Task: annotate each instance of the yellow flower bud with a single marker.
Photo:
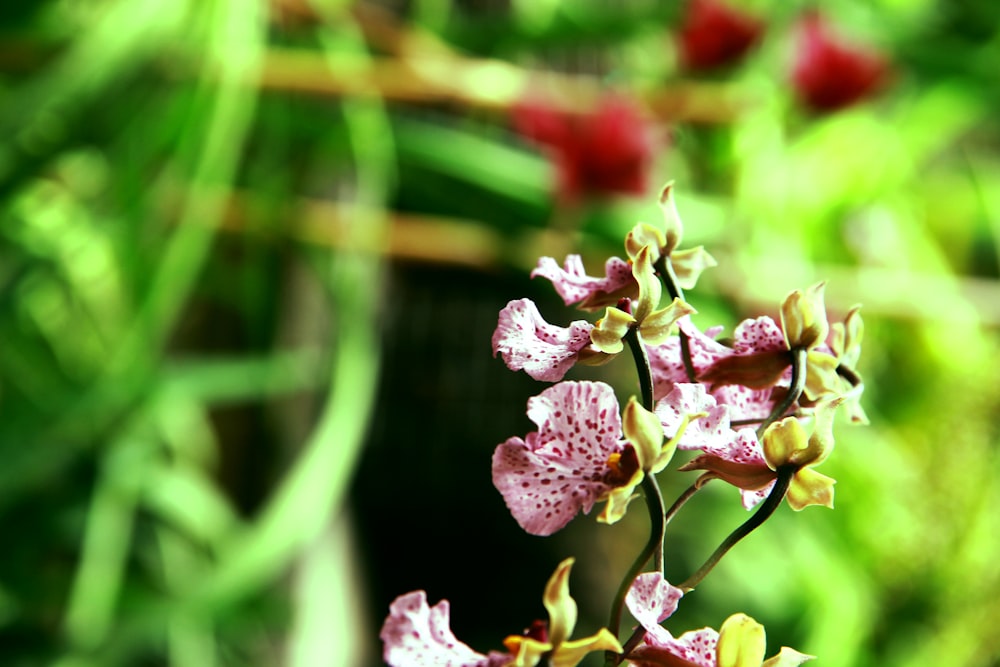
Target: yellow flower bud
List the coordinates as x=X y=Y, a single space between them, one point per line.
x=742 y=642
x=803 y=318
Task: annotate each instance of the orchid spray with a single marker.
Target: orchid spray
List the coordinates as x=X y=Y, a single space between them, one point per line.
x=759 y=411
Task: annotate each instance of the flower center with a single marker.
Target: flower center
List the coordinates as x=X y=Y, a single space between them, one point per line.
x=621 y=466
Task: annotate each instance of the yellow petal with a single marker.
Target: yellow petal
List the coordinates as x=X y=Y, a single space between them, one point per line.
x=821 y=441
x=618 y=500
x=559 y=604
x=787 y=657
x=822 y=380
x=607 y=334
x=809 y=487
x=650 y=288
x=803 y=318
x=741 y=642
x=644 y=235
x=569 y=654
x=672 y=226
x=527 y=652
x=689 y=264
x=643 y=429
x=656 y=327
x=781 y=440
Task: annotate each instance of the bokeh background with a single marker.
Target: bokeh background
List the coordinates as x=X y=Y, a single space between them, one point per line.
x=251 y=257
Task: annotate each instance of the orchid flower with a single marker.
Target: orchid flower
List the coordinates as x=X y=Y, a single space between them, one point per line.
x=740 y=642
x=621 y=281
x=654 y=325
x=752 y=465
x=544 y=351
x=581 y=454
x=554 y=646
x=759 y=336
x=845 y=345
x=561 y=469
x=415 y=635
x=804 y=328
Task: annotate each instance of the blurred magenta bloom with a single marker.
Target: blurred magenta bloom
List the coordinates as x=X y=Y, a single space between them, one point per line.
x=713 y=34
x=828 y=72
x=608 y=151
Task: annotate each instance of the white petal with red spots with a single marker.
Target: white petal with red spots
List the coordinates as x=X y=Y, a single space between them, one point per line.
x=687 y=399
x=558 y=471
x=650 y=600
x=416 y=635
x=526 y=341
x=574 y=285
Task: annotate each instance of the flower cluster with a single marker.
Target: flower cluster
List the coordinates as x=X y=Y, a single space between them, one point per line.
x=757 y=411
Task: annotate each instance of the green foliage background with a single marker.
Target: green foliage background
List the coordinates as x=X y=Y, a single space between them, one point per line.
x=247 y=285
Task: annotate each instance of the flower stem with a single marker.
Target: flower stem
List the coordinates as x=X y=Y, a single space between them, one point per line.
x=762 y=514
x=642 y=368
x=799 y=360
x=681 y=500
x=665 y=268
x=654 y=503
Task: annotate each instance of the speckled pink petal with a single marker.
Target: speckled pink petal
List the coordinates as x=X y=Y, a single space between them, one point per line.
x=758 y=335
x=665 y=360
x=526 y=341
x=573 y=284
x=689 y=399
x=416 y=635
x=744 y=448
x=745 y=403
x=696 y=646
x=753 y=498
x=650 y=600
x=559 y=471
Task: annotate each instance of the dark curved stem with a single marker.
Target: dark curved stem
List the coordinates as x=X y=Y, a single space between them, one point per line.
x=849 y=374
x=679 y=503
x=669 y=278
x=639 y=633
x=654 y=503
x=798 y=384
x=641 y=367
x=762 y=514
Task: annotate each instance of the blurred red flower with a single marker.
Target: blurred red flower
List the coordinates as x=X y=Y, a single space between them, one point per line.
x=828 y=72
x=607 y=151
x=713 y=34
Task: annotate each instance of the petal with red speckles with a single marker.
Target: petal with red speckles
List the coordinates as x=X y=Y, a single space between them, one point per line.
x=561 y=469
x=573 y=284
x=416 y=635
x=526 y=341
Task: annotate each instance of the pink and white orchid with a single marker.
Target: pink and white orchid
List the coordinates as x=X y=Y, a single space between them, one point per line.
x=573 y=284
x=544 y=351
x=416 y=635
x=740 y=643
x=584 y=452
x=562 y=469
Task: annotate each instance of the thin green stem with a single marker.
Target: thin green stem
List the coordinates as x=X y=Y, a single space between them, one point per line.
x=762 y=514
x=799 y=361
x=654 y=503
